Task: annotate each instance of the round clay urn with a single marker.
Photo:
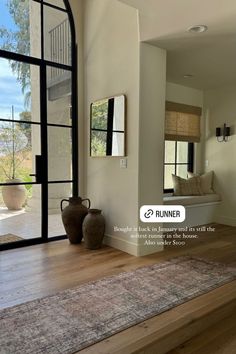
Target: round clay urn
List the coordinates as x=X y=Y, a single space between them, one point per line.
x=14 y=196
x=73 y=216
x=93 y=229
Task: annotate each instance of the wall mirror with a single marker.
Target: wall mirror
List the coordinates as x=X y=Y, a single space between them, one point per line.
x=107 y=127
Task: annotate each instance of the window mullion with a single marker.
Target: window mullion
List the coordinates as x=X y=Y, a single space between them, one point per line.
x=176 y=157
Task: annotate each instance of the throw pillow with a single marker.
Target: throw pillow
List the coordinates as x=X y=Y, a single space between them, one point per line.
x=206 y=181
x=190 y=186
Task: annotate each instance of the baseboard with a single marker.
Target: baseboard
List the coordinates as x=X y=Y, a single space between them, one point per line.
x=121 y=244
x=225 y=220
x=132 y=248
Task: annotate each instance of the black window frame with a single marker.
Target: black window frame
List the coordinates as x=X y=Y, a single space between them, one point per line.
x=189 y=163
x=43 y=63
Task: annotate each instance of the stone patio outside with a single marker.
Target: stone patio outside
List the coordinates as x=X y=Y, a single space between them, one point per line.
x=27 y=224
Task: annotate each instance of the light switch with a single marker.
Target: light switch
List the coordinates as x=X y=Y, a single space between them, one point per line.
x=123 y=163
x=207 y=163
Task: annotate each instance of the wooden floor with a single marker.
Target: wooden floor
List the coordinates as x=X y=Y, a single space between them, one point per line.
x=37 y=271
x=219 y=339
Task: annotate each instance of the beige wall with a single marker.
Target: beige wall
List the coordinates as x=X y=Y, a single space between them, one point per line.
x=115 y=62
x=183 y=94
x=220 y=108
x=151 y=134
x=77 y=10
x=193 y=97
x=111 y=63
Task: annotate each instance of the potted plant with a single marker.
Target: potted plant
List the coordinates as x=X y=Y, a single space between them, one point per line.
x=12 y=154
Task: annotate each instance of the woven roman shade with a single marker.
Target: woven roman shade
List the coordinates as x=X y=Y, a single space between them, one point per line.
x=182 y=122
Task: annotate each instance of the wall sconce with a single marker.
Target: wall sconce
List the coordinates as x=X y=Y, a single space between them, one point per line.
x=223 y=134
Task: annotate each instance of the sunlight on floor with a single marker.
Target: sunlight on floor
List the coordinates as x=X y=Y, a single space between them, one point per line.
x=27 y=224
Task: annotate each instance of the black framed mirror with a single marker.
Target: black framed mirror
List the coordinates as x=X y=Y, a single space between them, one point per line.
x=107 y=127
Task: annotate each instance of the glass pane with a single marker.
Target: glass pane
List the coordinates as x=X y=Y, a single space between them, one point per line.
x=169 y=151
x=58 y=96
x=19 y=143
x=19 y=91
x=59 y=3
x=20 y=213
x=118 y=144
x=20 y=30
x=57 y=36
x=98 y=143
x=99 y=114
x=182 y=152
x=168 y=171
x=57 y=192
x=59 y=154
x=119 y=113
x=182 y=171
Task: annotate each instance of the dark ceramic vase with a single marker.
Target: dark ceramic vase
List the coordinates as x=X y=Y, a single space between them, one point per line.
x=93 y=229
x=73 y=216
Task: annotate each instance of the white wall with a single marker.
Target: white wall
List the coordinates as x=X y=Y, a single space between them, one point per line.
x=111 y=63
x=183 y=94
x=78 y=10
x=193 y=97
x=151 y=134
x=115 y=62
x=220 y=108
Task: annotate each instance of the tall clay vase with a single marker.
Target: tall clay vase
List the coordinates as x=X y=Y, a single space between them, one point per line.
x=14 y=196
x=73 y=216
x=93 y=229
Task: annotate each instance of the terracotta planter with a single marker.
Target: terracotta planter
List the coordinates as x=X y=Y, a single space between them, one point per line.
x=93 y=229
x=14 y=196
x=73 y=216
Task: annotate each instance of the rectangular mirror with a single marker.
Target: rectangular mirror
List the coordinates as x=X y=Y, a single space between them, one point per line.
x=107 y=127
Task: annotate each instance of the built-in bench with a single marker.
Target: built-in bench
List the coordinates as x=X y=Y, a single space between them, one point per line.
x=200 y=210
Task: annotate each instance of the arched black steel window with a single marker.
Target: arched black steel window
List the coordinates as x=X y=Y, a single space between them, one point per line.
x=38 y=118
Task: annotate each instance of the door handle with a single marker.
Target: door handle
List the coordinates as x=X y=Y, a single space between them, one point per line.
x=38 y=169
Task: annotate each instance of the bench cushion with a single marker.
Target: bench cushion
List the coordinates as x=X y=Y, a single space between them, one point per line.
x=191 y=199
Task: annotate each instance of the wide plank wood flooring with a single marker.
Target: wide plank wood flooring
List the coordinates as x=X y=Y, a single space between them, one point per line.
x=219 y=339
x=37 y=271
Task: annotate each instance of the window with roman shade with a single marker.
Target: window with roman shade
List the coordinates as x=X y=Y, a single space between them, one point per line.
x=182 y=122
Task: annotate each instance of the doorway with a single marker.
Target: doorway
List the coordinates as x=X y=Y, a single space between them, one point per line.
x=38 y=120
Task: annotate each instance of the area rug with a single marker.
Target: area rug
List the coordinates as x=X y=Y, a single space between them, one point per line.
x=8 y=238
x=76 y=318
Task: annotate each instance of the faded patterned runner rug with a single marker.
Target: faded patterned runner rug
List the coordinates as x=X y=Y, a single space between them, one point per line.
x=76 y=318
